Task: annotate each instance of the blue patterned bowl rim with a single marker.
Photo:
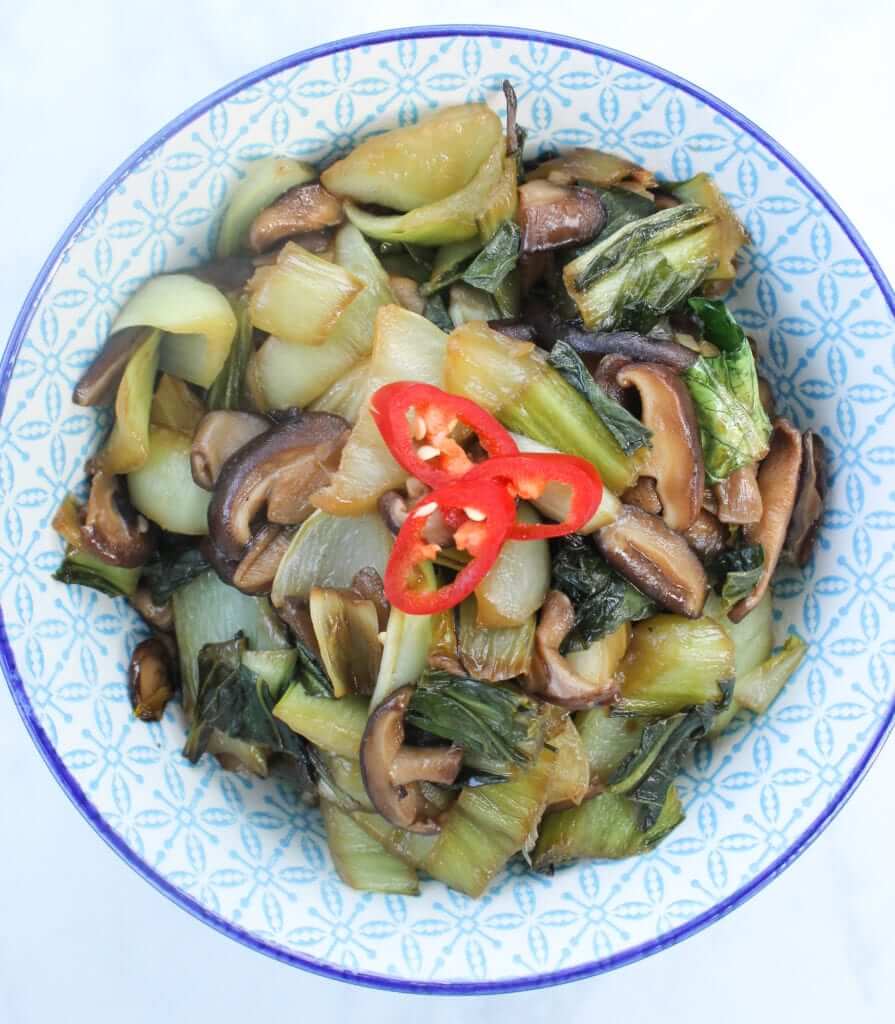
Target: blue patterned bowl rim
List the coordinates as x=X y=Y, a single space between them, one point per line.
x=7 y=660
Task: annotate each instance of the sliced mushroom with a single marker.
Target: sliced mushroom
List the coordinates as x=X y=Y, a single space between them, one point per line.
x=514 y=327
x=227 y=275
x=606 y=376
x=99 y=382
x=278 y=471
x=637 y=347
x=655 y=559
x=644 y=496
x=223 y=566
x=150 y=679
x=367 y=583
x=217 y=437
x=675 y=455
x=297 y=617
x=112 y=529
x=706 y=536
x=551 y=677
x=393 y=509
x=709 y=501
x=407 y=292
x=739 y=497
x=303 y=209
x=809 y=500
x=392 y=772
x=159 y=616
x=778 y=481
x=258 y=566
x=552 y=216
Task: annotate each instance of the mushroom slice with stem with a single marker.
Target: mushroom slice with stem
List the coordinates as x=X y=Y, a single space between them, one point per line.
x=643 y=495
x=159 y=616
x=706 y=536
x=655 y=559
x=218 y=436
x=276 y=471
x=675 y=455
x=150 y=679
x=301 y=210
x=552 y=216
x=255 y=572
x=392 y=772
x=560 y=680
x=739 y=497
x=606 y=376
x=778 y=480
x=112 y=529
x=809 y=500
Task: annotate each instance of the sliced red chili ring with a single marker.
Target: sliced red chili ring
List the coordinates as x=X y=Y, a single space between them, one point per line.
x=422 y=443
x=528 y=474
x=489 y=512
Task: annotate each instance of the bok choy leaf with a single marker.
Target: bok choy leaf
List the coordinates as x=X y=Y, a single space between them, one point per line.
x=627 y=430
x=733 y=425
x=499 y=729
x=236 y=702
x=737 y=570
x=603 y=600
x=647 y=774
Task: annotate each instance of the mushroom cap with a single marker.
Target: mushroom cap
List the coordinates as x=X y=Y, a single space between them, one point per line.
x=738 y=497
x=778 y=481
x=98 y=384
x=552 y=216
x=112 y=529
x=299 y=211
x=218 y=436
x=391 y=772
x=550 y=676
x=656 y=559
x=150 y=679
x=675 y=456
x=278 y=471
x=812 y=491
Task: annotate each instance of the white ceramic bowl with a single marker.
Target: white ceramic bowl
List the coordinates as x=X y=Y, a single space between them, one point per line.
x=243 y=855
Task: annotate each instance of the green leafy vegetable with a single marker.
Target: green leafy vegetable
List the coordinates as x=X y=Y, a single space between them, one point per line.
x=498 y=728
x=228 y=389
x=627 y=430
x=758 y=688
x=406 y=259
x=171 y=568
x=436 y=310
x=309 y=672
x=636 y=238
x=644 y=269
x=648 y=773
x=486 y=269
x=239 y=704
x=733 y=425
x=603 y=600
x=606 y=827
x=623 y=207
x=737 y=570
x=80 y=568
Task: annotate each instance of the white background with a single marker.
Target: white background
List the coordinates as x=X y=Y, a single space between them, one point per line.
x=82 y=937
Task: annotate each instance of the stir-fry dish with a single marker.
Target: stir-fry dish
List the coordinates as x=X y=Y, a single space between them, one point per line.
x=452 y=495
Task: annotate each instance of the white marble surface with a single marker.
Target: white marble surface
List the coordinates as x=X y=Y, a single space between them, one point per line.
x=83 y=938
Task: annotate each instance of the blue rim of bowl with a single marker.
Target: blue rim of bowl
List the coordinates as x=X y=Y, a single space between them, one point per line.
x=48 y=751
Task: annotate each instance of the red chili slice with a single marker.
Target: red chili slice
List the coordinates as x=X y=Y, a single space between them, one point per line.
x=488 y=511
x=528 y=474
x=416 y=421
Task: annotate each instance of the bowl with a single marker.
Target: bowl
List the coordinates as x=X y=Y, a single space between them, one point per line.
x=243 y=855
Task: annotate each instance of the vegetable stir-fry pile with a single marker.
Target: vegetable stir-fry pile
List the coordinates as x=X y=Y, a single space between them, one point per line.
x=451 y=493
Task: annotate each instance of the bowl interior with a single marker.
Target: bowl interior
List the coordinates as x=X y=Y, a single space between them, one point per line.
x=243 y=854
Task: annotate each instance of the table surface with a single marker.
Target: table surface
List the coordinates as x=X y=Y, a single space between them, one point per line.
x=83 y=937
